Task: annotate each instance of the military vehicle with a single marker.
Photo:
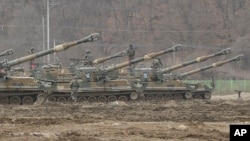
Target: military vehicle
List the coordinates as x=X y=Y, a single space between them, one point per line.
x=153 y=79
x=24 y=90
x=6 y=52
x=96 y=85
x=153 y=74
x=170 y=86
x=156 y=72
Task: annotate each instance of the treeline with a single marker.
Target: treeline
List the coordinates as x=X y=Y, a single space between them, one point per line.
x=203 y=26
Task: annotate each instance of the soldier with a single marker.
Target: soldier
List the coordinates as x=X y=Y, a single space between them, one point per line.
x=74 y=85
x=88 y=58
x=239 y=92
x=32 y=50
x=130 y=52
x=157 y=63
x=32 y=62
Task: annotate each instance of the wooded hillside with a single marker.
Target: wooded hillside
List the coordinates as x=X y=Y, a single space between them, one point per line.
x=202 y=26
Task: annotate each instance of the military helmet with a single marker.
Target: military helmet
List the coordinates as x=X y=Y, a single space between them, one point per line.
x=87 y=51
x=130 y=46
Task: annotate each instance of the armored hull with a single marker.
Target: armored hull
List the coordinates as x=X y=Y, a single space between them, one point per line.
x=162 y=84
x=175 y=90
x=19 y=90
x=94 y=91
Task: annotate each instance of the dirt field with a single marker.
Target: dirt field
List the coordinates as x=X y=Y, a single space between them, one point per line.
x=194 y=120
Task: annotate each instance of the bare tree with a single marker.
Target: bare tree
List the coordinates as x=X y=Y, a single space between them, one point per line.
x=185 y=10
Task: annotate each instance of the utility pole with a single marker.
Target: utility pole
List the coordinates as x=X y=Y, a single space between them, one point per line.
x=54 y=52
x=48 y=29
x=43 y=38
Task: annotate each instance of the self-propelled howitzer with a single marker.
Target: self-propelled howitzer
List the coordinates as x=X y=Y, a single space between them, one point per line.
x=99 y=74
x=95 y=85
x=172 y=87
x=23 y=89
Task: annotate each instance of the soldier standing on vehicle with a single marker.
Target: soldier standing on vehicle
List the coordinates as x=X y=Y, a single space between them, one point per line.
x=32 y=62
x=131 y=52
x=74 y=85
x=157 y=64
x=88 y=59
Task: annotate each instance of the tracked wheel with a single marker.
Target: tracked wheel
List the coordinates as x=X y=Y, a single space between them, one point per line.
x=134 y=96
x=15 y=100
x=52 y=99
x=4 y=100
x=159 y=97
x=82 y=99
x=70 y=100
x=61 y=99
x=27 y=100
x=168 y=97
x=207 y=95
x=178 y=97
x=123 y=98
x=188 y=95
x=197 y=97
x=112 y=98
x=102 y=99
x=150 y=97
x=92 y=99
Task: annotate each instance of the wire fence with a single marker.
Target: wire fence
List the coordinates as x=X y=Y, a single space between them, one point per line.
x=226 y=86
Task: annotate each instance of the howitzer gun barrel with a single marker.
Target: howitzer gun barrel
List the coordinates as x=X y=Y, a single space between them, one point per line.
x=146 y=57
x=6 y=52
x=58 y=48
x=197 y=60
x=216 y=64
x=101 y=60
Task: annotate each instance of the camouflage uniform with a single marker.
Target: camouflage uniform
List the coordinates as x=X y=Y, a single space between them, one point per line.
x=74 y=85
x=130 y=52
x=88 y=59
x=32 y=63
x=157 y=63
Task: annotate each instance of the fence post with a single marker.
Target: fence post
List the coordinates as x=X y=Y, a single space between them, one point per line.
x=231 y=85
x=218 y=87
x=245 y=85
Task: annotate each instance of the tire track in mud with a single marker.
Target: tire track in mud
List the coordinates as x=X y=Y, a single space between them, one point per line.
x=134 y=120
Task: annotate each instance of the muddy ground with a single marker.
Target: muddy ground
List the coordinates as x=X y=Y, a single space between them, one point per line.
x=194 y=120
